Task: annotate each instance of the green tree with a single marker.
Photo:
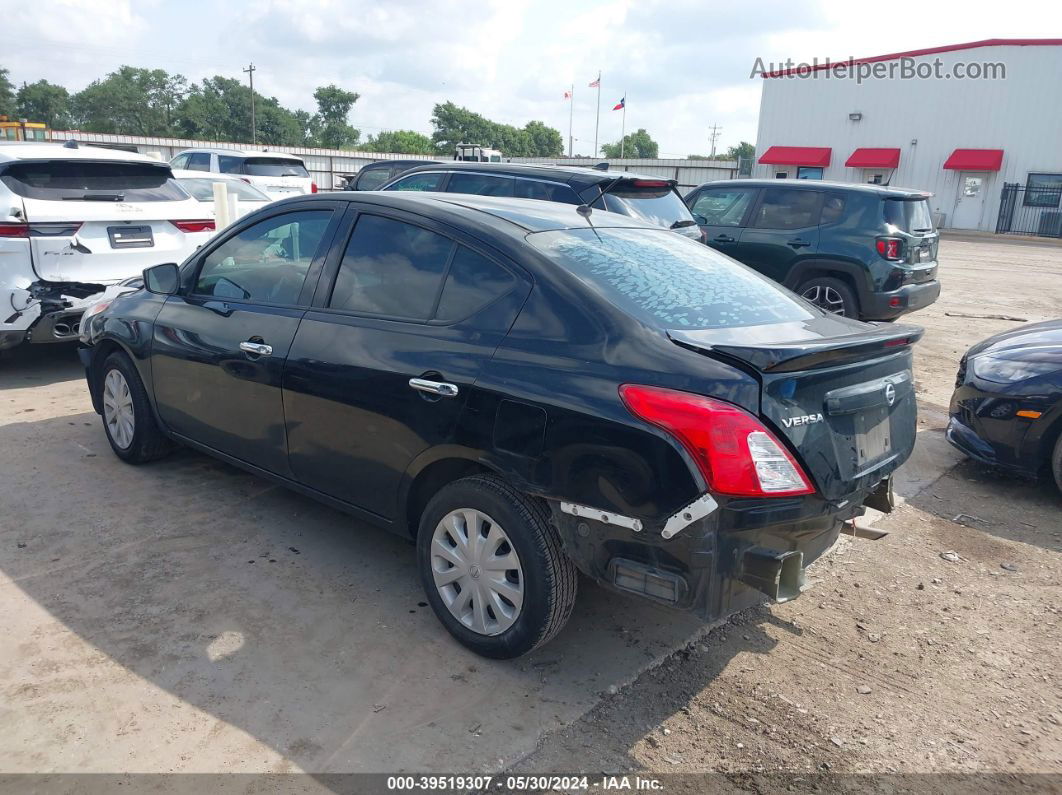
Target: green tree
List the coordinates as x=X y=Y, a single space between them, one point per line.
x=219 y=109
x=44 y=101
x=7 y=95
x=743 y=149
x=454 y=125
x=333 y=108
x=132 y=101
x=544 y=141
x=403 y=142
x=635 y=144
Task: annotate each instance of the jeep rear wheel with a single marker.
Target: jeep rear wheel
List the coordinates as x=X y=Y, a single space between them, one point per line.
x=830 y=294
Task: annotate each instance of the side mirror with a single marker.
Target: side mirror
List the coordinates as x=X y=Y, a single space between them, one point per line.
x=700 y=219
x=162 y=279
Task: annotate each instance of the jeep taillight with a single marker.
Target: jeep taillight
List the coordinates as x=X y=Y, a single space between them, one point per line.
x=734 y=451
x=889 y=248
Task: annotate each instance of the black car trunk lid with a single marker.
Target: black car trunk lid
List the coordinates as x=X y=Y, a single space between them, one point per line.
x=840 y=393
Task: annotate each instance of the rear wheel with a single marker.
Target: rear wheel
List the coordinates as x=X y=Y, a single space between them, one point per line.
x=127 y=417
x=831 y=294
x=492 y=567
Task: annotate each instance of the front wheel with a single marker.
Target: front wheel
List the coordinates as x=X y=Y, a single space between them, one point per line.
x=492 y=567
x=831 y=294
x=127 y=417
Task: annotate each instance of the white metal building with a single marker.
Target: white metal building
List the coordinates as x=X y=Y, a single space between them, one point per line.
x=909 y=119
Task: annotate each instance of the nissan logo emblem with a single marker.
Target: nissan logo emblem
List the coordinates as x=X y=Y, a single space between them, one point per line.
x=890 y=394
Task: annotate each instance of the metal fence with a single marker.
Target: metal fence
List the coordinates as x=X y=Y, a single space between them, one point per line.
x=1025 y=210
x=330 y=167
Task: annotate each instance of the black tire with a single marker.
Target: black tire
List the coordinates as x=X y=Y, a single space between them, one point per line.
x=1056 y=462
x=549 y=577
x=148 y=442
x=823 y=291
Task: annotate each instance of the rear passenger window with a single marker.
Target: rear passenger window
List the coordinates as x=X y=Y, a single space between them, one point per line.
x=480 y=184
x=545 y=191
x=179 y=162
x=391 y=268
x=227 y=164
x=788 y=208
x=723 y=207
x=832 y=209
x=199 y=161
x=473 y=282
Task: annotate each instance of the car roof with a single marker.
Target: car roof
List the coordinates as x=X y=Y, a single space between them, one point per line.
x=577 y=176
x=240 y=152
x=811 y=184
x=514 y=217
x=26 y=150
x=213 y=176
x=424 y=161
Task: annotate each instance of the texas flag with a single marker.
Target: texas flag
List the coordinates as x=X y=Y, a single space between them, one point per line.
x=621 y=104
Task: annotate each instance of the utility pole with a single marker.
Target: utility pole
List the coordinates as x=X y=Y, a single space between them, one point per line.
x=713 y=136
x=254 y=130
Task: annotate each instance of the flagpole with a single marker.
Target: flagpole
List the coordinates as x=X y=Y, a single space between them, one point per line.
x=623 y=124
x=597 y=124
x=571 y=113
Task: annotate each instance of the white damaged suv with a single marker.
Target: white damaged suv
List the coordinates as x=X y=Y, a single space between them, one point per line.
x=76 y=219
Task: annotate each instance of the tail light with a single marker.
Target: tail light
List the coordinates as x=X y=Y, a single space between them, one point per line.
x=14 y=230
x=313 y=187
x=206 y=225
x=889 y=248
x=733 y=450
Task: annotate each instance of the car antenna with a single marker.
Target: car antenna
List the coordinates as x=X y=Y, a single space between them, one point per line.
x=585 y=210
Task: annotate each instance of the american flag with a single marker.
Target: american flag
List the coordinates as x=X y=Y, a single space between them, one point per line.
x=596 y=83
x=567 y=94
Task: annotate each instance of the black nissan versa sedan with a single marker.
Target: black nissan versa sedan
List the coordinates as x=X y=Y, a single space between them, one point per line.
x=1007 y=406
x=525 y=388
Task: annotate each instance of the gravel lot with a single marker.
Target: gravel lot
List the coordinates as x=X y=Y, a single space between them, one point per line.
x=189 y=617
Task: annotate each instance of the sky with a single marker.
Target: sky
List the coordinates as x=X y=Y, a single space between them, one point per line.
x=682 y=65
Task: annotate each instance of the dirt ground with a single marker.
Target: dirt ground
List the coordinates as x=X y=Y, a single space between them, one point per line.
x=896 y=660
x=189 y=617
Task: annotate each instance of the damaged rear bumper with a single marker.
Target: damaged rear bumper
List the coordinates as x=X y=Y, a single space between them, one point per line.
x=718 y=563
x=44 y=312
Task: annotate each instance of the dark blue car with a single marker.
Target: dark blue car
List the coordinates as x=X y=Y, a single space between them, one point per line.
x=525 y=388
x=1007 y=406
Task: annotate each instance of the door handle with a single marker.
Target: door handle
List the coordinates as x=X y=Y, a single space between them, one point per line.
x=440 y=388
x=723 y=239
x=256 y=348
x=798 y=243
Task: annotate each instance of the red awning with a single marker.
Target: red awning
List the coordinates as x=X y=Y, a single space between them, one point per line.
x=975 y=160
x=874 y=158
x=796 y=156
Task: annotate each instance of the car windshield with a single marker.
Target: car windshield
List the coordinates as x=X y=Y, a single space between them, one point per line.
x=203 y=189
x=88 y=180
x=661 y=206
x=910 y=215
x=669 y=281
x=274 y=167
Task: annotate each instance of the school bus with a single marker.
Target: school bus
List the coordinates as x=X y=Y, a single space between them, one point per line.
x=23 y=130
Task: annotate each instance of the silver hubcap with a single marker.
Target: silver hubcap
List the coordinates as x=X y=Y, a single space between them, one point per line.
x=825 y=297
x=477 y=571
x=118 y=409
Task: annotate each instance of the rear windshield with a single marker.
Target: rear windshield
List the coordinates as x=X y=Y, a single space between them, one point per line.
x=661 y=206
x=373 y=178
x=669 y=281
x=274 y=167
x=87 y=180
x=910 y=215
x=203 y=189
